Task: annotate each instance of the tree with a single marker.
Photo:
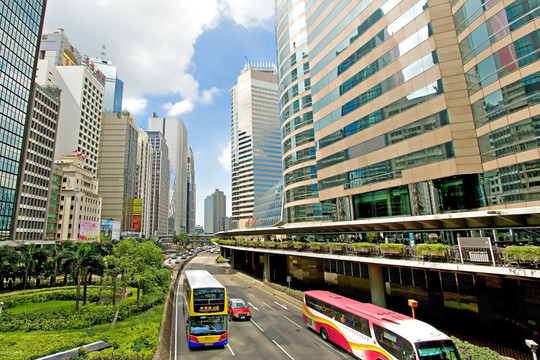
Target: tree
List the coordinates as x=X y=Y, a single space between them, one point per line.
x=9 y=258
x=27 y=262
x=181 y=239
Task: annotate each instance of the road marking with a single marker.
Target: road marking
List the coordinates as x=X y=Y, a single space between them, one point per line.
x=229 y=346
x=282 y=349
x=283 y=306
x=292 y=321
x=253 y=306
x=254 y=323
x=269 y=306
x=176 y=321
x=331 y=347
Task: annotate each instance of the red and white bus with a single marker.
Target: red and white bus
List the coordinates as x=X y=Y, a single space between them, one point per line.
x=371 y=332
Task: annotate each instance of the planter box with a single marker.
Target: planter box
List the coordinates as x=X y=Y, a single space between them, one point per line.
x=298 y=247
x=361 y=250
x=337 y=248
x=270 y=244
x=284 y=245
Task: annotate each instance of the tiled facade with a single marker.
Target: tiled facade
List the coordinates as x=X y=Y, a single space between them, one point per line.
x=160 y=184
x=410 y=115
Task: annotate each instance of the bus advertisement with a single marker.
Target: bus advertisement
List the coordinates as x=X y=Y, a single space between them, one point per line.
x=371 y=332
x=205 y=309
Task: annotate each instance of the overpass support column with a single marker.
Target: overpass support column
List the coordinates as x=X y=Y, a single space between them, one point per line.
x=233 y=261
x=266 y=272
x=376 y=284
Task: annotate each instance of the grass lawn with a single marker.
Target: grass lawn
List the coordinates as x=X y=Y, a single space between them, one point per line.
x=26 y=346
x=44 y=307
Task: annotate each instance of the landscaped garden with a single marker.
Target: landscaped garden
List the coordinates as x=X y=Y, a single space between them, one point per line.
x=63 y=297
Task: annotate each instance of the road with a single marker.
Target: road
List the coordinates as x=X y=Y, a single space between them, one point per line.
x=276 y=330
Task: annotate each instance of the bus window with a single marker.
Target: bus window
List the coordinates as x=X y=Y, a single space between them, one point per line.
x=437 y=350
x=361 y=325
x=207 y=325
x=396 y=345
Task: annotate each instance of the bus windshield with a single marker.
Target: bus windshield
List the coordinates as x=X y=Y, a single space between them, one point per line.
x=435 y=350
x=208 y=325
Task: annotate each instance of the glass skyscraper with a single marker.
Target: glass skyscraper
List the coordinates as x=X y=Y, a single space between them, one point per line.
x=21 y=24
x=407 y=107
x=255 y=139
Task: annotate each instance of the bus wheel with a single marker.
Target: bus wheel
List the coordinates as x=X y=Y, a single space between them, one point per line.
x=324 y=334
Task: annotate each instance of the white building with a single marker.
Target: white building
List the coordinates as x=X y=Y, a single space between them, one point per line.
x=79 y=216
x=143 y=184
x=160 y=184
x=175 y=133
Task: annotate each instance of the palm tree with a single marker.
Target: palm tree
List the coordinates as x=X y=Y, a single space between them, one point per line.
x=9 y=258
x=27 y=262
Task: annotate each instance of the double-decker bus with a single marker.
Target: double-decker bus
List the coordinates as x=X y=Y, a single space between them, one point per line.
x=205 y=309
x=371 y=332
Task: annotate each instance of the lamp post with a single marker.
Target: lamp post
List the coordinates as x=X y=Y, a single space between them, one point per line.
x=413 y=304
x=1 y=304
x=533 y=346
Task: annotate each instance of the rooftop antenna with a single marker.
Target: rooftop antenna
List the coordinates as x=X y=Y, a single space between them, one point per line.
x=249 y=64
x=103 y=51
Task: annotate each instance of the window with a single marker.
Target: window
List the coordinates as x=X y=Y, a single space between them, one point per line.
x=393 y=343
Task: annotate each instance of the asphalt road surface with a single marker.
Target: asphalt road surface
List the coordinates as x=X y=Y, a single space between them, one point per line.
x=276 y=330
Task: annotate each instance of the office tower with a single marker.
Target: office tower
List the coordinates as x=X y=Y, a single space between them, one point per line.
x=159 y=202
x=255 y=138
x=79 y=216
x=114 y=87
x=191 y=192
x=143 y=185
x=175 y=133
x=413 y=113
x=214 y=212
x=268 y=209
x=172 y=203
x=54 y=203
x=117 y=171
x=37 y=165
x=82 y=89
x=21 y=25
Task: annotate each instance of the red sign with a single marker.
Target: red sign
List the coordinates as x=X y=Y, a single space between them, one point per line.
x=137 y=223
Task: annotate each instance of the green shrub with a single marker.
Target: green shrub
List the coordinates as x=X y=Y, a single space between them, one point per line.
x=391 y=248
x=21 y=346
x=476 y=352
x=522 y=253
x=362 y=245
x=431 y=250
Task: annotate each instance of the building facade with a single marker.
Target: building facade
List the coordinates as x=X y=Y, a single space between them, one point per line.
x=412 y=114
x=79 y=215
x=159 y=203
x=143 y=184
x=268 y=209
x=114 y=87
x=191 y=193
x=214 y=212
x=54 y=203
x=255 y=138
x=117 y=170
x=175 y=133
x=21 y=25
x=38 y=165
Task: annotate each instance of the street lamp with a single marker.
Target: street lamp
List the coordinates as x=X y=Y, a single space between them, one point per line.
x=1 y=304
x=534 y=346
x=413 y=304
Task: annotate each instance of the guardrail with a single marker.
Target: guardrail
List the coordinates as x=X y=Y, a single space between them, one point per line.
x=493 y=256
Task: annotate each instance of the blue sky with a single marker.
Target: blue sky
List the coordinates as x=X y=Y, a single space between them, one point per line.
x=176 y=58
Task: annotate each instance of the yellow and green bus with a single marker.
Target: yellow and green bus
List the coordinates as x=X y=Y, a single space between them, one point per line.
x=205 y=309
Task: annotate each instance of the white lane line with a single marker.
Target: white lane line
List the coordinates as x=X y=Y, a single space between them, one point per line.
x=176 y=322
x=282 y=349
x=229 y=346
x=283 y=306
x=331 y=347
x=269 y=306
x=292 y=321
x=253 y=306
x=254 y=323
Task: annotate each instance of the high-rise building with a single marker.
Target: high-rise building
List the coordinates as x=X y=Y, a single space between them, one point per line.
x=114 y=87
x=175 y=133
x=159 y=203
x=214 y=212
x=79 y=215
x=412 y=114
x=255 y=138
x=82 y=89
x=54 y=203
x=191 y=192
x=118 y=171
x=268 y=210
x=143 y=185
x=21 y=24
x=38 y=165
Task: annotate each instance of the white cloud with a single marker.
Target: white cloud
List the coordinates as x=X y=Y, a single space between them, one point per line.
x=178 y=108
x=225 y=157
x=135 y=106
x=151 y=42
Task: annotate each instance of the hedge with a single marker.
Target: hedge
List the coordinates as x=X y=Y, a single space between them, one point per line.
x=21 y=346
x=91 y=314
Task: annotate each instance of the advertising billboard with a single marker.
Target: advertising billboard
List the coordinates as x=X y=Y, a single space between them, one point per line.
x=116 y=230
x=106 y=229
x=89 y=230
